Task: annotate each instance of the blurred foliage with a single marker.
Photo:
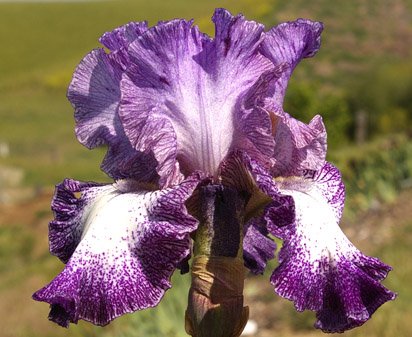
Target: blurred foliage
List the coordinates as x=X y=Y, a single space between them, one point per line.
x=375 y=173
x=17 y=253
x=305 y=99
x=383 y=92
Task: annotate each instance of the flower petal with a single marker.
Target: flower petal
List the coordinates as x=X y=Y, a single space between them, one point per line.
x=299 y=147
x=253 y=128
x=320 y=269
x=194 y=83
x=289 y=43
x=121 y=248
x=122 y=36
x=95 y=94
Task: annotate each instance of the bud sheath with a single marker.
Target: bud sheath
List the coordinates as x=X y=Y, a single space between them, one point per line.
x=215 y=307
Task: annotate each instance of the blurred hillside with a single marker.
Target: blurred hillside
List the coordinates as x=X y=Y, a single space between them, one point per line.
x=357 y=31
x=363 y=70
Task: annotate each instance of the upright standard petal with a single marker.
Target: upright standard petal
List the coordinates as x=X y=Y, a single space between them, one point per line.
x=289 y=43
x=183 y=80
x=121 y=249
x=121 y=37
x=95 y=94
x=320 y=269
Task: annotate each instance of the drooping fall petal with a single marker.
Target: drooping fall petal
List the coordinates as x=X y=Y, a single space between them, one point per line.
x=121 y=249
x=320 y=269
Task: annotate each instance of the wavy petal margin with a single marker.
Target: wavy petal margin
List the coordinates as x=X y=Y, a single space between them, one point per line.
x=258 y=248
x=288 y=43
x=320 y=269
x=94 y=93
x=194 y=85
x=120 y=38
x=121 y=249
x=168 y=100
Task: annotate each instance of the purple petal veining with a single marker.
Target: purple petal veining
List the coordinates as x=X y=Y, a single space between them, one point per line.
x=95 y=94
x=258 y=248
x=267 y=205
x=121 y=249
x=320 y=269
x=176 y=108
x=288 y=43
x=194 y=85
x=299 y=147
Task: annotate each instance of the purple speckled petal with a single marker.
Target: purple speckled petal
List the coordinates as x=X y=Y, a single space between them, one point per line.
x=320 y=269
x=289 y=43
x=121 y=248
x=65 y=230
x=196 y=86
x=258 y=248
x=299 y=147
x=95 y=94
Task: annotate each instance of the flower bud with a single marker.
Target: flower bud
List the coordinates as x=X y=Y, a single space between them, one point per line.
x=215 y=306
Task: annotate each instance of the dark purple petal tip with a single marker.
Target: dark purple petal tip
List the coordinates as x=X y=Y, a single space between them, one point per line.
x=343 y=294
x=351 y=296
x=65 y=229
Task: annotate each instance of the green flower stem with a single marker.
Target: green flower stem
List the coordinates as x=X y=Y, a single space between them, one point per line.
x=215 y=306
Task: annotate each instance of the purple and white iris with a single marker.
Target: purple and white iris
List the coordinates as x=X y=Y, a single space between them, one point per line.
x=177 y=110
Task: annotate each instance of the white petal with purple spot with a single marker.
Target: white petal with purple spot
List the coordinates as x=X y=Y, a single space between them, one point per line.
x=121 y=248
x=320 y=269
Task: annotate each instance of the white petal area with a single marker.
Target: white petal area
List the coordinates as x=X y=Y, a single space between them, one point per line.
x=121 y=249
x=317 y=222
x=109 y=220
x=320 y=269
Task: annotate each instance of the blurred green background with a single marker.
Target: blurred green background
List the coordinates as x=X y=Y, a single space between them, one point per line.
x=360 y=82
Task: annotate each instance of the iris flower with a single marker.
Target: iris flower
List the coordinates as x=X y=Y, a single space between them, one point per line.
x=182 y=114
